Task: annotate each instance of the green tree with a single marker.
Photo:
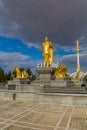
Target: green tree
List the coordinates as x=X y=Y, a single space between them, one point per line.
x=68 y=78
x=9 y=75
x=2 y=76
x=85 y=78
x=29 y=71
x=32 y=76
x=21 y=69
x=14 y=74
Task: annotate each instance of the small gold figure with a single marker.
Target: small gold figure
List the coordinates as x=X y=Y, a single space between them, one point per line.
x=61 y=71
x=47 y=51
x=20 y=74
x=25 y=74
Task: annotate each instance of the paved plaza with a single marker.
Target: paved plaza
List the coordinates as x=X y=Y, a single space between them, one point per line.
x=31 y=115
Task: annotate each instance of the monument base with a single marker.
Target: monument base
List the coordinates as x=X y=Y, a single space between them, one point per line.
x=45 y=73
x=46 y=89
x=13 y=84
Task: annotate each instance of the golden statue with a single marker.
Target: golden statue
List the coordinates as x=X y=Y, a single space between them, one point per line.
x=61 y=71
x=25 y=74
x=47 y=51
x=20 y=74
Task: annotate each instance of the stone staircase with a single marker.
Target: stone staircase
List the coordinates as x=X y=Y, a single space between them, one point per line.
x=73 y=90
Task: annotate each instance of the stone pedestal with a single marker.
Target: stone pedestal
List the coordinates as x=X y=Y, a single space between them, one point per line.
x=59 y=82
x=45 y=74
x=12 y=84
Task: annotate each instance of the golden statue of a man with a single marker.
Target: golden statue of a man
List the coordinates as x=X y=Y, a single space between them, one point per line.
x=47 y=51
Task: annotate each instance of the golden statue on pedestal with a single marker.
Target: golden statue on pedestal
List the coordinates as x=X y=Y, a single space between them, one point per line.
x=61 y=71
x=47 y=51
x=20 y=74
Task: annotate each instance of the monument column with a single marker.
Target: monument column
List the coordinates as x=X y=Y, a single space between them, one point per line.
x=78 y=51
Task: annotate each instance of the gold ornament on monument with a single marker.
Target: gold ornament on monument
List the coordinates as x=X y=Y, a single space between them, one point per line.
x=61 y=71
x=47 y=52
x=20 y=74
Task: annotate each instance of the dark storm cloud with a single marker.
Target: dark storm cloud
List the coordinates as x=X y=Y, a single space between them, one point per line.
x=62 y=20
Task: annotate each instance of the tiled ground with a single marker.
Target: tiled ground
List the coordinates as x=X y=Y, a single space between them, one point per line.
x=30 y=115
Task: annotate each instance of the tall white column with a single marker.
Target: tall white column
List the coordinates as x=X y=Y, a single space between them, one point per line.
x=78 y=51
x=77 y=58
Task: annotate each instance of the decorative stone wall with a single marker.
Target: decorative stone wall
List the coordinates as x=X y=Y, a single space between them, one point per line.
x=48 y=98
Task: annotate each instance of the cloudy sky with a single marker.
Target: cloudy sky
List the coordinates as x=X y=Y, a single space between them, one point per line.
x=25 y=23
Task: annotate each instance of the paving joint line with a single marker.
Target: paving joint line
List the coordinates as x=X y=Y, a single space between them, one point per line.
x=19 y=118
x=10 y=119
x=37 y=124
x=56 y=127
x=67 y=127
